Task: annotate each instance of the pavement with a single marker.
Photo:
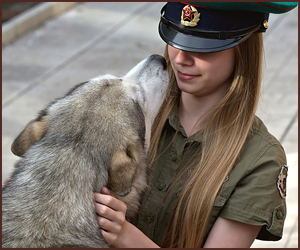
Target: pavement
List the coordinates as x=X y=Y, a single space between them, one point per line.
x=95 y=38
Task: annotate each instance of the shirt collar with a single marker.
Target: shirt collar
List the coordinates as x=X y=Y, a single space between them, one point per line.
x=175 y=123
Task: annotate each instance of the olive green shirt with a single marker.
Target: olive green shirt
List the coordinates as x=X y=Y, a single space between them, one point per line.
x=249 y=194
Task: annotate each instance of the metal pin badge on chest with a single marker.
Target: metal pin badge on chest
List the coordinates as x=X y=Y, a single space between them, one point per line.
x=281 y=181
x=190 y=16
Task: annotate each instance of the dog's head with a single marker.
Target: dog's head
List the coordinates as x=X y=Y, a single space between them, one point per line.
x=110 y=118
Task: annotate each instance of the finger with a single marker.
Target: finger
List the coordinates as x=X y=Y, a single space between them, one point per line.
x=105 y=211
x=105 y=190
x=109 y=237
x=110 y=214
x=110 y=201
x=108 y=225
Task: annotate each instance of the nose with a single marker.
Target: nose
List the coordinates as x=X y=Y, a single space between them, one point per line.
x=159 y=58
x=184 y=58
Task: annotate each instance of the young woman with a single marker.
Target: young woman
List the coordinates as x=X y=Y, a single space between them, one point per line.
x=217 y=176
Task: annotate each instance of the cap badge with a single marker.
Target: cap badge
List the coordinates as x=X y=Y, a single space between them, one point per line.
x=190 y=16
x=281 y=181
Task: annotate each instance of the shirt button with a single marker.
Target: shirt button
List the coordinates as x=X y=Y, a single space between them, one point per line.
x=173 y=156
x=161 y=186
x=279 y=214
x=149 y=218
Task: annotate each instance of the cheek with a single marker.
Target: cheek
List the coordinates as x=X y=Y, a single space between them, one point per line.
x=225 y=67
x=230 y=62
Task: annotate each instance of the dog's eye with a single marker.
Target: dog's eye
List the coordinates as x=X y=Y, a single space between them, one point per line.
x=128 y=153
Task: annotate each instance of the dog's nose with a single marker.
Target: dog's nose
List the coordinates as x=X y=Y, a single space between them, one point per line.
x=164 y=62
x=159 y=58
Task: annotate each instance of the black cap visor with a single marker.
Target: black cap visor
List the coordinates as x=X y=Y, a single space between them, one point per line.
x=192 y=43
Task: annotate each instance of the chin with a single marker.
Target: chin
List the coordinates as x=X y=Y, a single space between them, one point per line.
x=188 y=88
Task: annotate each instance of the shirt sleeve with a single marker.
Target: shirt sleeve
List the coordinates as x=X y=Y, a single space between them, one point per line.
x=256 y=198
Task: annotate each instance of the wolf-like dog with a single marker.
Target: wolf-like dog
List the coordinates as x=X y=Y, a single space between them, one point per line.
x=96 y=135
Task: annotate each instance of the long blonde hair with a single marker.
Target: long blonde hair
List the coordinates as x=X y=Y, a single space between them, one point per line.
x=223 y=139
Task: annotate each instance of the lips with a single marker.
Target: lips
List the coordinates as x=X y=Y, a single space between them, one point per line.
x=186 y=77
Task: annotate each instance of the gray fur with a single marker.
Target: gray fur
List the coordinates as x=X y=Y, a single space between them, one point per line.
x=97 y=135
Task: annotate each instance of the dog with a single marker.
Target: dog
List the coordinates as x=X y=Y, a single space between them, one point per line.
x=96 y=135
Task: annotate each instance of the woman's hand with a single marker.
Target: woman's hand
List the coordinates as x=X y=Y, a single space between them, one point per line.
x=116 y=230
x=111 y=216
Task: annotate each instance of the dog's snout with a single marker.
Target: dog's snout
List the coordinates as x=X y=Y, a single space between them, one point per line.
x=159 y=58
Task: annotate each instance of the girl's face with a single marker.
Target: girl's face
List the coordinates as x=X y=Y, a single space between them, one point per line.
x=203 y=74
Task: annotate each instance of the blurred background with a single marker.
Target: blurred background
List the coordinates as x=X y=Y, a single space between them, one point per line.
x=48 y=47
x=12 y=9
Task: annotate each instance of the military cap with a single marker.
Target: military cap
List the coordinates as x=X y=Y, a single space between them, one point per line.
x=215 y=26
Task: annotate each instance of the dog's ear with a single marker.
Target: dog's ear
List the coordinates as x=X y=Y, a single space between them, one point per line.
x=33 y=132
x=122 y=170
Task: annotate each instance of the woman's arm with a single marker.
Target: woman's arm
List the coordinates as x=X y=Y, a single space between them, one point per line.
x=121 y=234
x=116 y=230
x=227 y=233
